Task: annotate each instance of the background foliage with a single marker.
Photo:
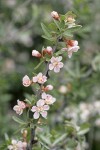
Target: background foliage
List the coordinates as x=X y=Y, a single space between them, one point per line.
x=20 y=32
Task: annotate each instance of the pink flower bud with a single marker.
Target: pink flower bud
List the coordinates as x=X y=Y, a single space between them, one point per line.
x=48 y=50
x=26 y=81
x=36 y=53
x=49 y=87
x=55 y=15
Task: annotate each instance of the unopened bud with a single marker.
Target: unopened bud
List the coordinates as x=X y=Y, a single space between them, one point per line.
x=55 y=15
x=49 y=87
x=36 y=53
x=48 y=50
x=26 y=81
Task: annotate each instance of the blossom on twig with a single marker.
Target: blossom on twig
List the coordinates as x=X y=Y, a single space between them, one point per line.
x=19 y=107
x=40 y=78
x=40 y=109
x=48 y=98
x=72 y=46
x=56 y=64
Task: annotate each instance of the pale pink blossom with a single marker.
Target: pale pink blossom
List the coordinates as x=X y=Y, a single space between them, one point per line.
x=40 y=78
x=36 y=53
x=48 y=98
x=17 y=145
x=55 y=15
x=19 y=107
x=56 y=64
x=26 y=81
x=21 y=104
x=72 y=46
x=40 y=109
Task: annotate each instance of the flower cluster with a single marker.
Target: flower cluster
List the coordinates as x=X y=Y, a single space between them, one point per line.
x=71 y=45
x=43 y=105
x=17 y=145
x=84 y=112
x=54 y=63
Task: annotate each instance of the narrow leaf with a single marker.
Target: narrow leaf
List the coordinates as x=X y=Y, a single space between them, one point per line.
x=46 y=30
x=18 y=120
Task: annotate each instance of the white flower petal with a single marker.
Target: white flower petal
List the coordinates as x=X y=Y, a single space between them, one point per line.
x=46 y=107
x=59 y=58
x=75 y=43
x=53 y=59
x=53 y=100
x=40 y=75
x=10 y=147
x=51 y=66
x=44 y=114
x=40 y=103
x=61 y=64
x=75 y=48
x=36 y=115
x=34 y=108
x=35 y=79
x=14 y=142
x=70 y=54
x=56 y=69
x=44 y=95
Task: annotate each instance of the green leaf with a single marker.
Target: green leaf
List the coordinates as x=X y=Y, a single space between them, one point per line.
x=46 y=30
x=60 y=139
x=62 y=17
x=72 y=143
x=84 y=128
x=28 y=101
x=45 y=140
x=39 y=65
x=18 y=120
x=52 y=26
x=70 y=13
x=68 y=34
x=57 y=24
x=74 y=29
x=48 y=38
x=30 y=97
x=59 y=53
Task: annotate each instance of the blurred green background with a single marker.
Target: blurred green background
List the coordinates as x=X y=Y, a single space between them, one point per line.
x=20 y=32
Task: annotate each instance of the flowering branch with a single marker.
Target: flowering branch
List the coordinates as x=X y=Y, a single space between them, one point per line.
x=60 y=34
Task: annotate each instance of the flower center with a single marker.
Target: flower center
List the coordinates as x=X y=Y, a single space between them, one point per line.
x=55 y=63
x=40 y=79
x=40 y=109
